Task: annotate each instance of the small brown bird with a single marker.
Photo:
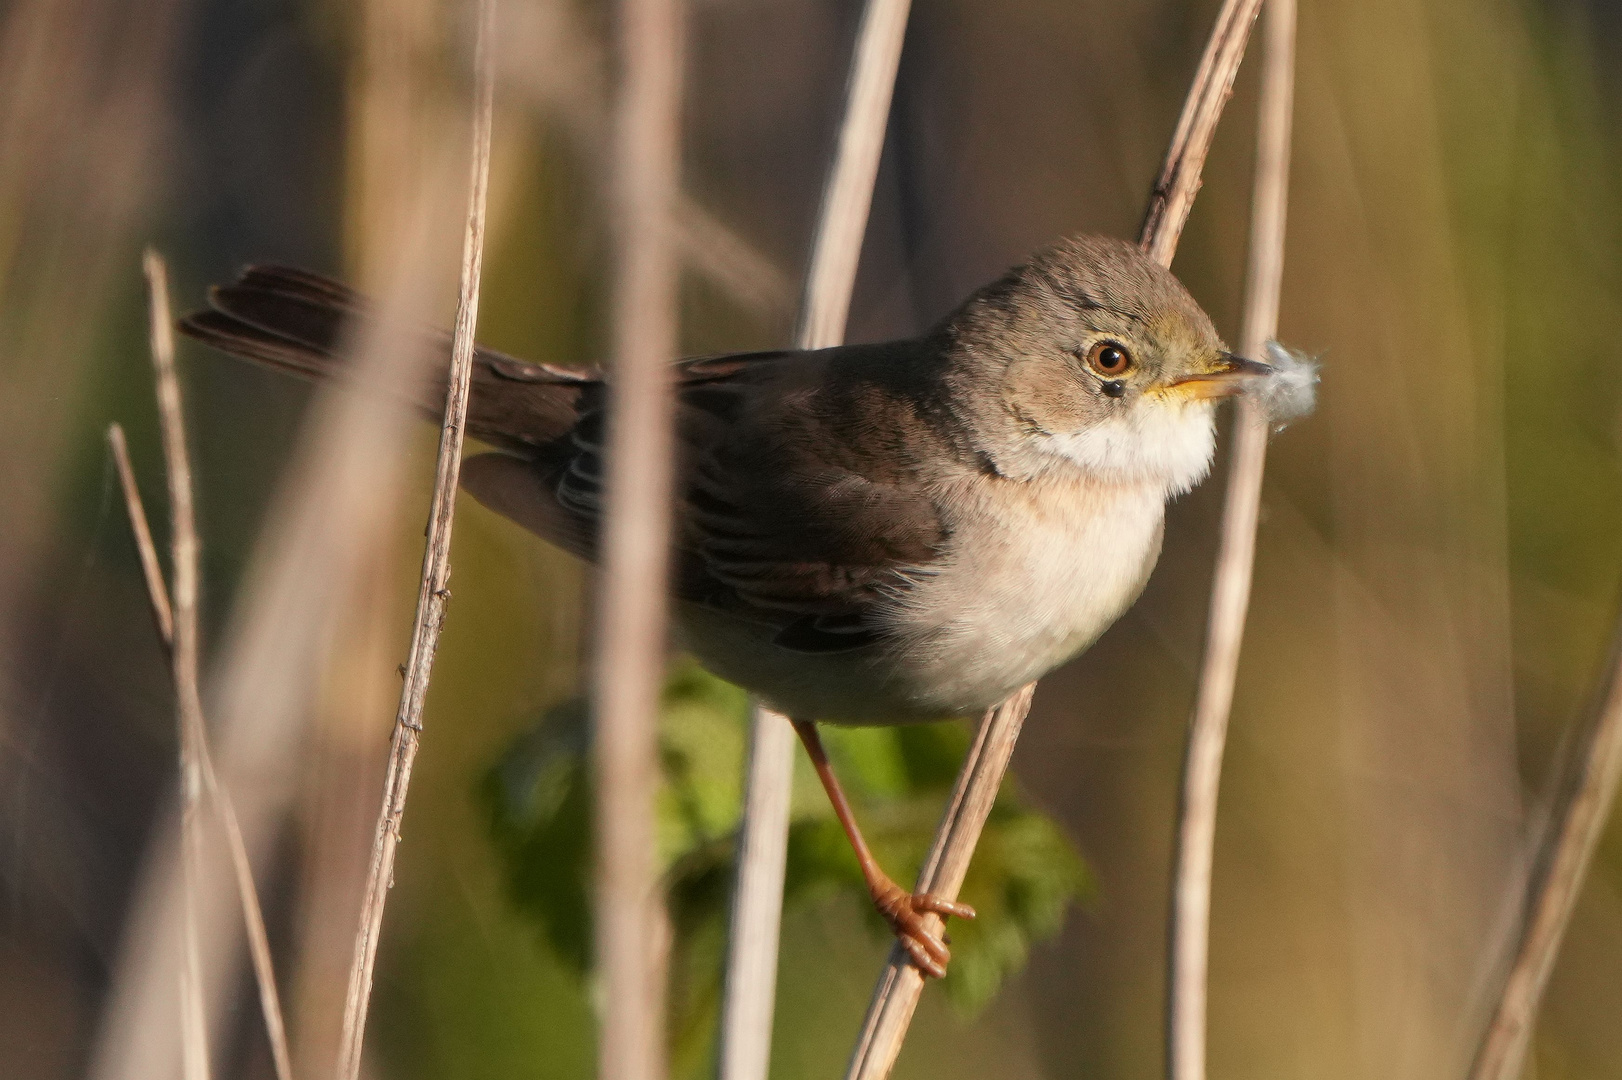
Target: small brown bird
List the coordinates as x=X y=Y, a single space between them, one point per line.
x=869 y=534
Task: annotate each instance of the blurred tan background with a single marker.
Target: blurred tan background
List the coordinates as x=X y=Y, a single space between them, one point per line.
x=1438 y=563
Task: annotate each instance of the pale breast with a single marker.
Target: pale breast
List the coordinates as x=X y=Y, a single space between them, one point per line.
x=1037 y=571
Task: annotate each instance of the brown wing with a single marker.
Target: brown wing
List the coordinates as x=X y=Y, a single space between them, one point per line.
x=784 y=516
x=791 y=509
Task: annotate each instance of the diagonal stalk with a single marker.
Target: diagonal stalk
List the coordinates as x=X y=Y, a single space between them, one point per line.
x=433 y=593
x=889 y=1013
x=253 y=915
x=1581 y=812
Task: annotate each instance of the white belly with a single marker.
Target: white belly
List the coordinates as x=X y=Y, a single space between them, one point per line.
x=1006 y=605
x=1012 y=603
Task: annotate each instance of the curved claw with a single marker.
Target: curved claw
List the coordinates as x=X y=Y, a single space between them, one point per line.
x=919 y=954
x=941 y=906
x=905 y=912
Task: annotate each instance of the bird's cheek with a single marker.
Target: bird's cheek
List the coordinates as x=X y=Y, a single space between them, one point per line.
x=1054 y=401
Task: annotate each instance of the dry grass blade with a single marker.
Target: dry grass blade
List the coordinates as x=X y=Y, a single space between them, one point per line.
x=183 y=651
x=1230 y=589
x=1575 y=827
x=629 y=660
x=848 y=194
x=433 y=593
x=253 y=916
x=750 y=989
x=896 y=997
x=172 y=420
x=333 y=505
x=1173 y=195
x=901 y=983
x=157 y=592
x=751 y=977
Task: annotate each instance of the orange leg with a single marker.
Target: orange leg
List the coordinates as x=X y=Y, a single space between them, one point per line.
x=904 y=911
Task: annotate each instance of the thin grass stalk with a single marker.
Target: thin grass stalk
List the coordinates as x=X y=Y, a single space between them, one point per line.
x=1580 y=815
x=163 y=617
x=252 y=914
x=749 y=992
x=433 y=593
x=253 y=917
x=182 y=660
x=1230 y=589
x=633 y=607
x=895 y=998
x=848 y=194
x=332 y=506
x=901 y=984
x=1172 y=198
x=750 y=987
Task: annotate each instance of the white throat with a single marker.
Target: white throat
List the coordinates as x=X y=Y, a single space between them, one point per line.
x=1162 y=442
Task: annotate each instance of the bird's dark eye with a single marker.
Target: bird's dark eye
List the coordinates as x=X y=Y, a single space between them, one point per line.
x=1109 y=359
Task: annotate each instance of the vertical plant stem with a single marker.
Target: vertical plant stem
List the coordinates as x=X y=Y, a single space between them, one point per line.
x=1580 y=814
x=848 y=193
x=750 y=990
x=629 y=662
x=1230 y=590
x=168 y=619
x=182 y=657
x=889 y=1013
x=751 y=976
x=433 y=593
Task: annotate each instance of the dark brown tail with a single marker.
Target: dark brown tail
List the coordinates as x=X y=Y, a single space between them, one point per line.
x=299 y=322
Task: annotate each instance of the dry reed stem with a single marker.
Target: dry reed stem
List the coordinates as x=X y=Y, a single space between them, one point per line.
x=633 y=607
x=252 y=914
x=1230 y=589
x=749 y=992
x=895 y=998
x=901 y=984
x=433 y=593
x=183 y=651
x=182 y=623
x=751 y=976
x=848 y=194
x=1172 y=198
x=552 y=60
x=157 y=592
x=332 y=505
x=253 y=917
x=1580 y=815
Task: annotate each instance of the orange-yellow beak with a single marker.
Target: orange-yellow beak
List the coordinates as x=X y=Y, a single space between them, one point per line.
x=1228 y=376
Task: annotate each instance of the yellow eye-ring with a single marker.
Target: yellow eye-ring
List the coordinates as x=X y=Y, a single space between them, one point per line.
x=1109 y=359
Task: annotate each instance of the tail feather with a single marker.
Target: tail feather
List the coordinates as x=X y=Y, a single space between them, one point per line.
x=291 y=281
x=230 y=334
x=300 y=323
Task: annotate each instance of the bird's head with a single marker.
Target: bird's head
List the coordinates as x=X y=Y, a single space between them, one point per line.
x=1098 y=359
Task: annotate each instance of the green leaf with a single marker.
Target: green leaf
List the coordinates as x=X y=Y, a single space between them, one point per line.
x=1022 y=881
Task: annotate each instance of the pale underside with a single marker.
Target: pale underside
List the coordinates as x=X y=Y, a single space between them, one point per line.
x=1036 y=572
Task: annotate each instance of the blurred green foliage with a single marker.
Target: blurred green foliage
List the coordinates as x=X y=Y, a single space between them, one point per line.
x=539 y=800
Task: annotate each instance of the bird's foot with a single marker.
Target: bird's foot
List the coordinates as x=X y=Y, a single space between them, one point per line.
x=906 y=913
